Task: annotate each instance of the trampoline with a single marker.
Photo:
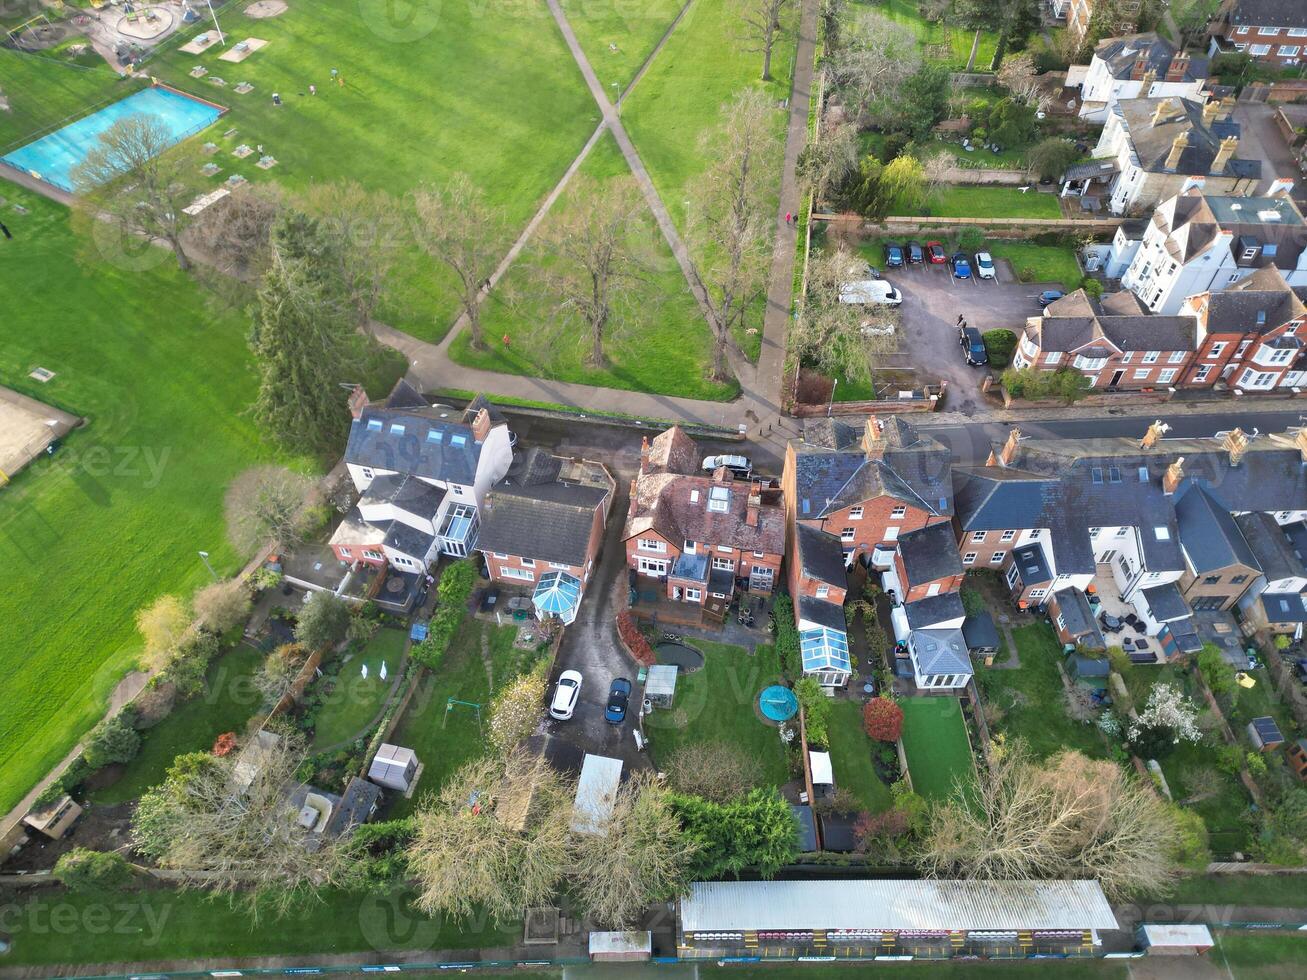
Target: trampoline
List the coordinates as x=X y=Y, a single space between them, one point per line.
x=778 y=703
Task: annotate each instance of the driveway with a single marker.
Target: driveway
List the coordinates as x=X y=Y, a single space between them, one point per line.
x=932 y=300
x=1261 y=139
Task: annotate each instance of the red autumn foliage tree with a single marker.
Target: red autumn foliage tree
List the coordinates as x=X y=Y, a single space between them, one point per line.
x=224 y=744
x=882 y=719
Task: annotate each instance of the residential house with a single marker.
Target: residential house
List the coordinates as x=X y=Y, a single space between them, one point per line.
x=702 y=536
x=1272 y=31
x=422 y=472
x=924 y=581
x=1250 y=335
x=866 y=484
x=1138 y=66
x=1154 y=148
x=547 y=514
x=1112 y=341
x=1275 y=600
x=818 y=583
x=1196 y=242
x=1219 y=564
x=1079 y=15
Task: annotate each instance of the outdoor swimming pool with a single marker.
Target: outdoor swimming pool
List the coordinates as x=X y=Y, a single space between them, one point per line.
x=53 y=157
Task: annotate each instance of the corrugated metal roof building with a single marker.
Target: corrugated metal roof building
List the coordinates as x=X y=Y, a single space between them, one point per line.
x=863 y=917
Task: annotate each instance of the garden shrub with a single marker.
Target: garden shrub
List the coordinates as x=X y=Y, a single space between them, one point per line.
x=816 y=711
x=1093 y=288
x=757 y=832
x=787 y=637
x=636 y=642
x=999 y=346
x=454 y=590
x=113 y=740
x=82 y=869
x=882 y=719
x=1066 y=384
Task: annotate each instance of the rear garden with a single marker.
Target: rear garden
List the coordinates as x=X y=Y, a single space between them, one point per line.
x=936 y=744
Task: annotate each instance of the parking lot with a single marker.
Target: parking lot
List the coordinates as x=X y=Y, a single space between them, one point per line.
x=932 y=300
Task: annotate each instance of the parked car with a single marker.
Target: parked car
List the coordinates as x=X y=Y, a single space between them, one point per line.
x=985 y=265
x=893 y=256
x=937 y=254
x=870 y=291
x=619 y=694
x=1050 y=296
x=566 y=693
x=973 y=346
x=915 y=254
x=741 y=466
x=961 y=267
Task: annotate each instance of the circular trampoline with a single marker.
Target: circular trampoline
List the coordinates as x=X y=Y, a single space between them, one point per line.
x=777 y=703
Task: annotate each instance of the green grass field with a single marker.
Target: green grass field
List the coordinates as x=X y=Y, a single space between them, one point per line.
x=935 y=742
x=1258 y=955
x=631 y=28
x=356 y=700
x=718 y=703
x=1276 y=891
x=44 y=93
x=661 y=342
x=117 y=516
x=1031 y=698
x=444 y=744
x=1047 y=263
x=940 y=42
x=981 y=201
x=229 y=702
x=850 y=753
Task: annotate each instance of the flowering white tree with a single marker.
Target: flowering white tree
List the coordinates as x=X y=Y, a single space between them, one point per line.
x=516 y=711
x=1168 y=719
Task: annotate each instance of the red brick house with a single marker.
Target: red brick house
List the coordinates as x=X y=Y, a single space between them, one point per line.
x=1272 y=31
x=703 y=536
x=547 y=514
x=1249 y=335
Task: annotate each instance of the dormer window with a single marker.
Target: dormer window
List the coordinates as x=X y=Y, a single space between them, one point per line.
x=435 y=435
x=719 y=500
x=694 y=496
x=458 y=440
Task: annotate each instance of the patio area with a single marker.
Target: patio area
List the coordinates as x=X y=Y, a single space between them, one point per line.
x=1119 y=621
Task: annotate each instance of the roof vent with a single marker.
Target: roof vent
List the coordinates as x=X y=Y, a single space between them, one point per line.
x=1236 y=206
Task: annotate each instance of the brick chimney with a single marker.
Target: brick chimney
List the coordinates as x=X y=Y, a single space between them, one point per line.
x=1300 y=440
x=481 y=425
x=644 y=454
x=1008 y=454
x=1178 y=146
x=1175 y=71
x=1236 y=444
x=1223 y=155
x=634 y=504
x=752 y=513
x=1211 y=109
x=358 y=400
x=1173 y=476
x=1146 y=82
x=1139 y=69
x=871 y=434
x=1162 y=111
x=1154 y=434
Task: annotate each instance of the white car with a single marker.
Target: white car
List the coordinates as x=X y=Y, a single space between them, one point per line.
x=566 y=694
x=984 y=265
x=870 y=292
x=739 y=465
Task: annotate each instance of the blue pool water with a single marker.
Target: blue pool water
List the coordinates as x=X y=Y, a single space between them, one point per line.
x=53 y=157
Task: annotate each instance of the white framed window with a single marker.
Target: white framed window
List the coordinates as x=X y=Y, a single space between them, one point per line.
x=1166 y=376
x=1007 y=535
x=1289 y=50
x=652 y=544
x=1242 y=30
x=528 y=562
x=456 y=490
x=1203 y=371
x=1268 y=31
x=1151 y=356
x=996 y=557
x=846 y=534
x=344 y=552
x=823 y=591
x=373 y=555
x=1297 y=32
x=758 y=554
x=855 y=513
x=1053 y=357
x=969 y=558
x=1061 y=621
x=1127 y=357
x=1142 y=374
x=1216 y=349
x=892 y=533
x=1258 y=50
x=978 y=535
x=509 y=571
x=500 y=555
x=559 y=565
x=689 y=547
x=367 y=472
x=725 y=564
x=1038 y=593
x=651 y=566
x=693 y=595
x=898 y=512
x=1177 y=357
x=1122 y=531
x=1012 y=576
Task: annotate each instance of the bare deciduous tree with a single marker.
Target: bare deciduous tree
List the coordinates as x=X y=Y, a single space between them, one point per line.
x=134 y=177
x=1066 y=817
x=276 y=677
x=717 y=771
x=263 y=505
x=368 y=227
x=729 y=225
x=642 y=858
x=876 y=55
x=829 y=160
x=495 y=838
x=591 y=256
x=761 y=28
x=230 y=824
x=457 y=226
x=221 y=606
x=235 y=233
x=842 y=340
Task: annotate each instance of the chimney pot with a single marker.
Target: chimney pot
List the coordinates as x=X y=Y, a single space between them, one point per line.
x=1154 y=434
x=358 y=400
x=1162 y=111
x=1228 y=145
x=1178 y=146
x=1300 y=440
x=1173 y=476
x=1236 y=444
x=1176 y=69
x=481 y=425
x=1139 y=69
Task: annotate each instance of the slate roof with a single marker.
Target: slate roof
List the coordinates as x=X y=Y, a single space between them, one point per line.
x=1208 y=533
x=930 y=553
x=994 y=498
x=941 y=651
x=980 y=632
x=1271 y=546
x=405 y=492
x=1121 y=53
x=692 y=567
x=1165 y=602
x=832 y=433
x=721 y=581
x=406 y=435
x=820 y=556
x=1031 y=564
x=1071 y=323
x=1284 y=607
x=1090 y=666
x=1256 y=305
x=1076 y=612
x=662 y=502
x=541 y=511
x=1269 y=13
x=408 y=540
x=935 y=609
x=1152 y=143
x=823 y=613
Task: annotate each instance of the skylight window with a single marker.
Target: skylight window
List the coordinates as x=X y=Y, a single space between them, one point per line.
x=435 y=435
x=374 y=425
x=396 y=429
x=1114 y=474
x=458 y=440
x=694 y=496
x=719 y=500
x=1096 y=474
x=807 y=507
x=1143 y=474
x=1162 y=534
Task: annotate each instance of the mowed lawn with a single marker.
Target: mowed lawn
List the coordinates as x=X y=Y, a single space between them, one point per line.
x=356 y=700
x=430 y=90
x=940 y=42
x=850 y=752
x=227 y=704
x=935 y=742
x=116 y=518
x=617 y=38
x=972 y=201
x=43 y=94
x=1045 y=263
x=659 y=340
x=718 y=703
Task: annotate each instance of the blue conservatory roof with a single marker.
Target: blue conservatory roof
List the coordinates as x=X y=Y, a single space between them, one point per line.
x=824 y=648
x=557 y=594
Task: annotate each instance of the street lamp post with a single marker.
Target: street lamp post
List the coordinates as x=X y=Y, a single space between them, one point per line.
x=204 y=557
x=831 y=407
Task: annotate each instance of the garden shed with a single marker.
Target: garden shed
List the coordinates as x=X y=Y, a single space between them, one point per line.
x=394 y=767
x=596 y=794
x=1174 y=939
x=660 y=684
x=981 y=635
x=1265 y=733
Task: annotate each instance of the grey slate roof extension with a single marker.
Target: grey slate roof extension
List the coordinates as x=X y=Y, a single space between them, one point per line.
x=405 y=492
x=1166 y=603
x=828 y=614
x=1208 y=533
x=820 y=555
x=934 y=609
x=409 y=540
x=941 y=651
x=1076 y=613
x=1031 y=564
x=930 y=553
x=1272 y=546
x=533 y=513
x=1121 y=53
x=1281 y=607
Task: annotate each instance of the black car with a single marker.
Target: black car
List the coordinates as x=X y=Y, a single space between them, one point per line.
x=916 y=255
x=619 y=694
x=893 y=255
x=973 y=346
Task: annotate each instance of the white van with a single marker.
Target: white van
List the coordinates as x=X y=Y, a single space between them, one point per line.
x=870 y=291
